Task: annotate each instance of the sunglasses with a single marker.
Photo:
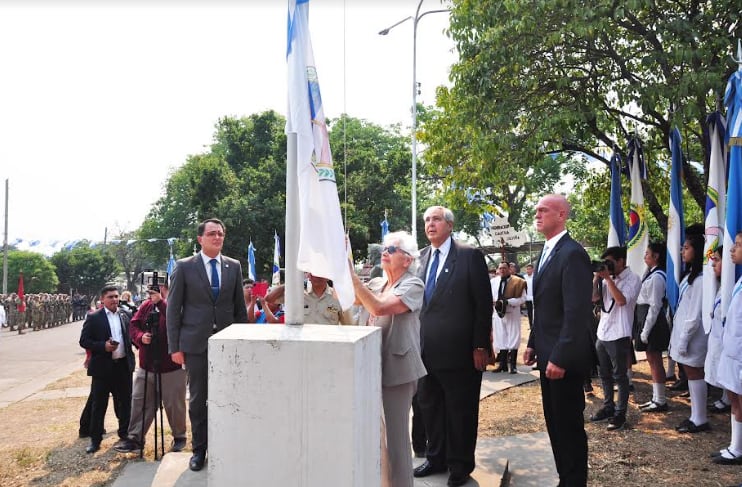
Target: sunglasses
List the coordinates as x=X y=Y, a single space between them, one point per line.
x=393 y=249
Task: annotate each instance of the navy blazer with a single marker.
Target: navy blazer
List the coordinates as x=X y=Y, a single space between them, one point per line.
x=562 y=308
x=458 y=317
x=95 y=333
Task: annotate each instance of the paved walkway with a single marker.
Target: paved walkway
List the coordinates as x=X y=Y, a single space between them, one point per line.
x=30 y=362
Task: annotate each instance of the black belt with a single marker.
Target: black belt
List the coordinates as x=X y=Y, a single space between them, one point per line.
x=117 y=360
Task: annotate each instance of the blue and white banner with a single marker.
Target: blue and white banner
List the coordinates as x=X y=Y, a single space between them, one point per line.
x=276 y=279
x=251 y=262
x=675 y=222
x=617 y=224
x=733 y=221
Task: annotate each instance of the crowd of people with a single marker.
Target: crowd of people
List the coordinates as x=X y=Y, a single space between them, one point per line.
x=35 y=311
x=441 y=325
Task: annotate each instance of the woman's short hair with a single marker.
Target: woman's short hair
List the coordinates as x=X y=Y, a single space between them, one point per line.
x=404 y=241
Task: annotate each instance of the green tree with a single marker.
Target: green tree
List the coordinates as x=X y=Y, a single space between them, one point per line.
x=372 y=167
x=85 y=269
x=569 y=76
x=39 y=275
x=241 y=180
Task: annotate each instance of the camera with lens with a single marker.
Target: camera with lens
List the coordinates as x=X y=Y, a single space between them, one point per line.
x=601 y=265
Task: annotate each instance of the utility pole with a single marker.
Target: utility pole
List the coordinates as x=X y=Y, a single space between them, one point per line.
x=5 y=243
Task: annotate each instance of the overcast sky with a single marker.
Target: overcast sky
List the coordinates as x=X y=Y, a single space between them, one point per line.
x=98 y=104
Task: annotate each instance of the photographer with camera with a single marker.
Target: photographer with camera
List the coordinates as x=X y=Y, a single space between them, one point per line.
x=148 y=333
x=616 y=289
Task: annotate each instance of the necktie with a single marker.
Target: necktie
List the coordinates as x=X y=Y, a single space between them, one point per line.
x=543 y=257
x=430 y=281
x=214 y=279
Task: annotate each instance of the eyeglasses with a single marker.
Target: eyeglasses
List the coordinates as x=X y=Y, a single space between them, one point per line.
x=214 y=234
x=393 y=249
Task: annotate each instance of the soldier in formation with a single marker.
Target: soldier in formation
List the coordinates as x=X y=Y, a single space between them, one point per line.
x=43 y=310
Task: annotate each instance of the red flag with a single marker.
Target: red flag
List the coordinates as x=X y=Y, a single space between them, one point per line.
x=22 y=305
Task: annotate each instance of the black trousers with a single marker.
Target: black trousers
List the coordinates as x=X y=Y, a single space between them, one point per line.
x=198 y=388
x=529 y=308
x=564 y=404
x=449 y=401
x=117 y=383
x=419 y=440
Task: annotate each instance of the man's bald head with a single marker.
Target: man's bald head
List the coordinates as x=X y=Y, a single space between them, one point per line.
x=552 y=212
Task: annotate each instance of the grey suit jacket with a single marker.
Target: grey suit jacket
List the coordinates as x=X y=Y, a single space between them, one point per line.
x=192 y=312
x=562 y=303
x=458 y=318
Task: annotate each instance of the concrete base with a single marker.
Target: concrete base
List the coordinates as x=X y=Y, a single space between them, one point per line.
x=295 y=405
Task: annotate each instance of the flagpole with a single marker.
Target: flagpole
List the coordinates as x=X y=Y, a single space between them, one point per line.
x=5 y=243
x=294 y=278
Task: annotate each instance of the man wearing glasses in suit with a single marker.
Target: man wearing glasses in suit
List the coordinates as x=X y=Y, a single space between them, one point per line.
x=205 y=297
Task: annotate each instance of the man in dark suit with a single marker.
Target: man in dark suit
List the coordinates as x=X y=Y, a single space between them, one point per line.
x=205 y=297
x=455 y=323
x=559 y=340
x=105 y=334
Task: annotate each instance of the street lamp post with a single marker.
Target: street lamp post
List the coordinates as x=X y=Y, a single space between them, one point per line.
x=384 y=32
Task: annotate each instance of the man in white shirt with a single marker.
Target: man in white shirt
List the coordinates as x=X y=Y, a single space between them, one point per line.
x=616 y=288
x=529 y=294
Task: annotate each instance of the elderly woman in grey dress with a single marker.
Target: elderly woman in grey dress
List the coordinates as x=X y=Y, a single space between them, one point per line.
x=393 y=303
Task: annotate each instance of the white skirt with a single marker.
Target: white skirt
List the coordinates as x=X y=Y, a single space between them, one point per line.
x=729 y=374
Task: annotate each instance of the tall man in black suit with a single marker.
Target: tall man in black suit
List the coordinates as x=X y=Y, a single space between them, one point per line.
x=205 y=297
x=559 y=340
x=455 y=323
x=105 y=333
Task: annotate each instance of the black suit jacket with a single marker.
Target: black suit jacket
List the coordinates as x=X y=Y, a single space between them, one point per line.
x=458 y=317
x=95 y=332
x=562 y=303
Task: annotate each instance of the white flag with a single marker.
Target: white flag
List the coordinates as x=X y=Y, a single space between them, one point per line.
x=638 y=230
x=715 y=215
x=322 y=249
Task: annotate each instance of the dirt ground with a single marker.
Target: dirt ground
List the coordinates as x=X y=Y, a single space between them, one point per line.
x=40 y=448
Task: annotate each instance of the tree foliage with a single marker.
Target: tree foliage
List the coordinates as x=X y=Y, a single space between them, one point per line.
x=572 y=75
x=85 y=269
x=39 y=274
x=241 y=180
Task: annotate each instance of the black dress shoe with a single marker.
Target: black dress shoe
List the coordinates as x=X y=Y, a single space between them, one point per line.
x=93 y=447
x=457 y=480
x=427 y=468
x=197 y=461
x=178 y=444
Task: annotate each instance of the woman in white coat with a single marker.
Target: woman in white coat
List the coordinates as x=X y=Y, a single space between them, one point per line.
x=688 y=340
x=729 y=371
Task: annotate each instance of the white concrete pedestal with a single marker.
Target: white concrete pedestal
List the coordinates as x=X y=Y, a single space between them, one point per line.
x=296 y=406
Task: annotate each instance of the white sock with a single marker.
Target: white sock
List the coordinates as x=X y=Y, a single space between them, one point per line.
x=658 y=392
x=698 y=396
x=735 y=447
